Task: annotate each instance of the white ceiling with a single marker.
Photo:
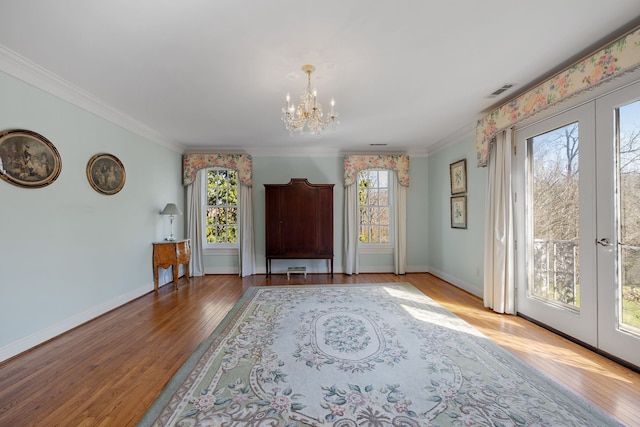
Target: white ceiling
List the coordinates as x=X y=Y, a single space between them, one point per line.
x=213 y=74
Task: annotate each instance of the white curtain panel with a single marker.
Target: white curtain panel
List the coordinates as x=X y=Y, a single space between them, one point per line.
x=351 y=232
x=195 y=202
x=400 y=218
x=194 y=222
x=499 y=251
x=247 y=257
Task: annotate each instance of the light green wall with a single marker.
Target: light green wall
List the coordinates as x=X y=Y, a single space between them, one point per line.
x=68 y=253
x=330 y=170
x=456 y=255
x=418 y=201
x=280 y=170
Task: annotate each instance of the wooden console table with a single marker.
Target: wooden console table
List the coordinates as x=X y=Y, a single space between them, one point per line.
x=171 y=253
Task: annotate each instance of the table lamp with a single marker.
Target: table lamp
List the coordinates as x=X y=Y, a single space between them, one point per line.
x=172 y=210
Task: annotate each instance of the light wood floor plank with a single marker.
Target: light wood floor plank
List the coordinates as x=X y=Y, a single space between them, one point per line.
x=110 y=370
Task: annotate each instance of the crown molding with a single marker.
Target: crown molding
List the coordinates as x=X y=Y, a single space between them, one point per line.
x=29 y=72
x=455 y=137
x=293 y=152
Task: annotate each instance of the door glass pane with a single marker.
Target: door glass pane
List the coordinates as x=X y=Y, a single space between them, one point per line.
x=629 y=216
x=553 y=205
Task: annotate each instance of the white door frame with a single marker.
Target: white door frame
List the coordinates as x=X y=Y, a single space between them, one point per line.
x=582 y=323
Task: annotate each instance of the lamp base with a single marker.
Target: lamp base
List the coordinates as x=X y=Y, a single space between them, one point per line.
x=171 y=238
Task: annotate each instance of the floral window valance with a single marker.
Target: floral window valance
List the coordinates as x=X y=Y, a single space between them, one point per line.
x=621 y=56
x=355 y=163
x=192 y=163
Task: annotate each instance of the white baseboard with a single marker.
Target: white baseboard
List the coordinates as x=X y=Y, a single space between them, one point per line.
x=221 y=270
x=337 y=269
x=375 y=268
x=473 y=290
x=13 y=349
x=23 y=344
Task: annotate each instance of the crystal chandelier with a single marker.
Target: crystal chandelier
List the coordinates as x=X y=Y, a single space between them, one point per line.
x=308 y=113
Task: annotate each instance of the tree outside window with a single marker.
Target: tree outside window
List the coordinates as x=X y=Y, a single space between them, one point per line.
x=555 y=215
x=221 y=215
x=374 y=207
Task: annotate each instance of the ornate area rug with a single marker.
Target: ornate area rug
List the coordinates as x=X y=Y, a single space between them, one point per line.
x=358 y=355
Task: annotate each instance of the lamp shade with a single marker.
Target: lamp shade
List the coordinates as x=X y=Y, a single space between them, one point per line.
x=170 y=209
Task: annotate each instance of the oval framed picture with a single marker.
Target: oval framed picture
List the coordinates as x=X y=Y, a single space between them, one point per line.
x=28 y=159
x=106 y=173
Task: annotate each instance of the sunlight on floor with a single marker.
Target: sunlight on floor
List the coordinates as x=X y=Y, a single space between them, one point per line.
x=494 y=326
x=441 y=319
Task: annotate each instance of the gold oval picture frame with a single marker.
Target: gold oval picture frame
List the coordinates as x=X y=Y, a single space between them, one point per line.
x=106 y=173
x=28 y=159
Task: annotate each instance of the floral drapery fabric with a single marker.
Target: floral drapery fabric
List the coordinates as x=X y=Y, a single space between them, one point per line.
x=396 y=162
x=621 y=56
x=192 y=163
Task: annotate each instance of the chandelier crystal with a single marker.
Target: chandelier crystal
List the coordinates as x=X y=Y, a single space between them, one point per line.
x=308 y=113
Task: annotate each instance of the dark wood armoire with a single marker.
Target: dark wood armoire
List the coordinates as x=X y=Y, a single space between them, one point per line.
x=299 y=221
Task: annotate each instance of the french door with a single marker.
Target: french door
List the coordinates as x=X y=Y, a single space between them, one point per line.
x=578 y=214
x=618 y=221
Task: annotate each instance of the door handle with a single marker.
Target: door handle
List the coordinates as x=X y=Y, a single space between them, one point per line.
x=603 y=242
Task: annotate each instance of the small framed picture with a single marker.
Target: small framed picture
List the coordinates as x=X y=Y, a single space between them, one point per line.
x=458 y=176
x=459 y=212
x=28 y=159
x=106 y=173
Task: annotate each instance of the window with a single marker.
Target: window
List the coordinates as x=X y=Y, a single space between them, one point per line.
x=221 y=210
x=375 y=208
x=554 y=213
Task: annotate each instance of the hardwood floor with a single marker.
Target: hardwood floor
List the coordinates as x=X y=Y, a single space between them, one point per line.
x=109 y=371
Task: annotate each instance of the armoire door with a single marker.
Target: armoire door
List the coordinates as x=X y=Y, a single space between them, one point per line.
x=298 y=213
x=273 y=222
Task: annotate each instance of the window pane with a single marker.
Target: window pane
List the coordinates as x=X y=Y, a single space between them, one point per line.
x=554 y=216
x=384 y=179
x=374 y=216
x=384 y=197
x=373 y=197
x=211 y=234
x=233 y=233
x=383 y=218
x=222 y=206
x=374 y=200
x=630 y=272
x=364 y=234
x=211 y=215
x=375 y=235
x=215 y=215
x=629 y=217
x=384 y=234
x=373 y=177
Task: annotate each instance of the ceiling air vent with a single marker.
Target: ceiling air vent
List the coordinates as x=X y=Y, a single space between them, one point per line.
x=503 y=89
x=378 y=145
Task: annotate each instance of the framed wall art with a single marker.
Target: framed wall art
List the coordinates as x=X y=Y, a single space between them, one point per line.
x=458 y=176
x=106 y=173
x=459 y=212
x=28 y=159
